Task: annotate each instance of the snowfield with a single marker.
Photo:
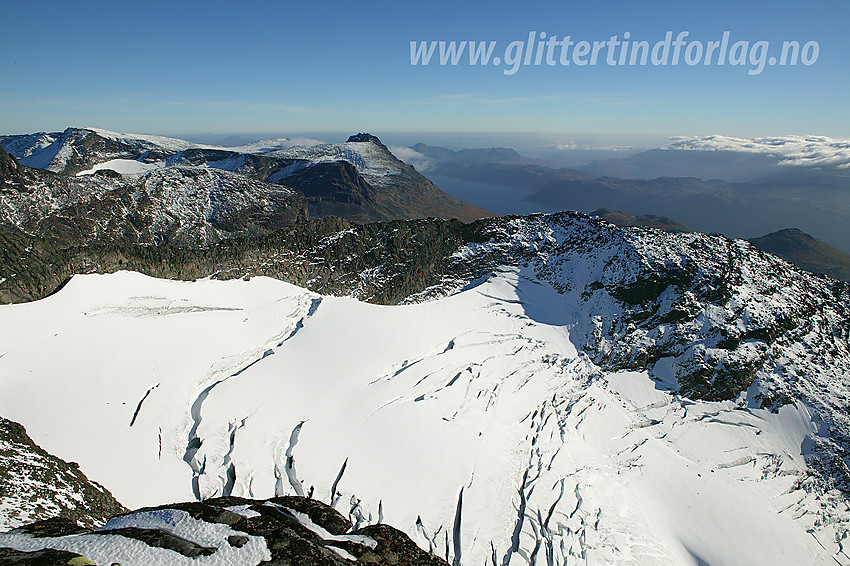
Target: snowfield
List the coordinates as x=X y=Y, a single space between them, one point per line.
x=125 y=550
x=470 y=422
x=124 y=166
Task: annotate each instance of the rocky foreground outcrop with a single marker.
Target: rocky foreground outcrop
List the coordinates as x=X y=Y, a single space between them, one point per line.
x=227 y=530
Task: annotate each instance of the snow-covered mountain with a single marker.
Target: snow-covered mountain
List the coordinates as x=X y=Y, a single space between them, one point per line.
x=82 y=173
x=547 y=389
x=186 y=206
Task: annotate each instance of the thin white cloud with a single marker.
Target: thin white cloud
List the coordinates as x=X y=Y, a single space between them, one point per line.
x=411 y=157
x=276 y=144
x=303 y=142
x=457 y=96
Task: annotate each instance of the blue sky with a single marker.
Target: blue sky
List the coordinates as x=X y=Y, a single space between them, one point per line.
x=286 y=67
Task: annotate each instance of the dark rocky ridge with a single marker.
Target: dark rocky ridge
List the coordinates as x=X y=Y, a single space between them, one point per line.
x=326 y=255
x=337 y=189
x=48 y=557
x=257 y=167
x=365 y=137
x=13 y=176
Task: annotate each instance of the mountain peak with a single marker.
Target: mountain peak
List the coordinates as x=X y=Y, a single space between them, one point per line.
x=790 y=232
x=8 y=163
x=364 y=137
x=806 y=251
x=11 y=171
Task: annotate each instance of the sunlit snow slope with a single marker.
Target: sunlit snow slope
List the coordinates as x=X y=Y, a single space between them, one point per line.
x=471 y=422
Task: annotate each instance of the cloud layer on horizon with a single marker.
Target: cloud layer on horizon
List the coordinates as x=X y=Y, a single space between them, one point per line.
x=805 y=151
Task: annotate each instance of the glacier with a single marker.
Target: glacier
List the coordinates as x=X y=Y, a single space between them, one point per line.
x=477 y=422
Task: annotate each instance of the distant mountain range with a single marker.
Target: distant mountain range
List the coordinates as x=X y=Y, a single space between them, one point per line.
x=801 y=182
x=648 y=220
x=494 y=155
x=85 y=185
x=734 y=209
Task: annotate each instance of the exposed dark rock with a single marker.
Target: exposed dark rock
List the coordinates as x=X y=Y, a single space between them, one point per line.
x=365 y=137
x=336 y=189
x=394 y=547
x=111 y=173
x=210 y=511
x=13 y=176
x=330 y=519
x=257 y=167
x=53 y=527
x=48 y=557
x=237 y=541
x=330 y=253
